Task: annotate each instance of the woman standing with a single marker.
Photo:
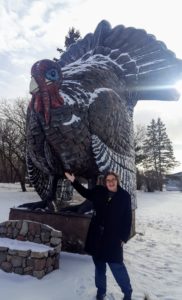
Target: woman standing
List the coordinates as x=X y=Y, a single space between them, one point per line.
x=109 y=228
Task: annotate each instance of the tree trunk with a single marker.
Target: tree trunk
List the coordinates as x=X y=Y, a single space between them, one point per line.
x=23 y=187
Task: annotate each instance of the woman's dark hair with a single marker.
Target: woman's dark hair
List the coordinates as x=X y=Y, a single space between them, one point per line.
x=113 y=174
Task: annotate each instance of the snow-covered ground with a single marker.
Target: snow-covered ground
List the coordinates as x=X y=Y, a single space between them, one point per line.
x=153 y=257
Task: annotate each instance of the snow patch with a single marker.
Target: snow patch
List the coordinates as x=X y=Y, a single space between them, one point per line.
x=74 y=118
x=67 y=100
x=94 y=95
x=23 y=245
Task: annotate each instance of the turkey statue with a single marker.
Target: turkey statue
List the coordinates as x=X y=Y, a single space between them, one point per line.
x=80 y=118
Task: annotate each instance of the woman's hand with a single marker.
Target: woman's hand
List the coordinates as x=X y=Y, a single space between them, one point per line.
x=122 y=243
x=69 y=176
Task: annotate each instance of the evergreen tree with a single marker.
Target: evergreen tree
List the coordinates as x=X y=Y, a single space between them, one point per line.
x=72 y=36
x=159 y=151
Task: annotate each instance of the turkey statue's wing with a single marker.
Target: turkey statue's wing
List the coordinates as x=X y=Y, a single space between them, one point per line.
x=41 y=181
x=110 y=121
x=37 y=147
x=41 y=166
x=44 y=169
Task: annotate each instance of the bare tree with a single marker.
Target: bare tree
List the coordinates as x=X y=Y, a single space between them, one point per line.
x=13 y=140
x=139 y=138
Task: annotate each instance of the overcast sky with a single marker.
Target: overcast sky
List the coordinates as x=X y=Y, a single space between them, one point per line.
x=31 y=30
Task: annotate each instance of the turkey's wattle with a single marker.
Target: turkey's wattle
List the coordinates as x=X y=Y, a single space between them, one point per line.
x=44 y=87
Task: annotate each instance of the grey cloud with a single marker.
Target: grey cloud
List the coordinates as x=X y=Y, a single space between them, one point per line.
x=54 y=7
x=5 y=61
x=40 y=33
x=3 y=84
x=18 y=7
x=3 y=73
x=24 y=21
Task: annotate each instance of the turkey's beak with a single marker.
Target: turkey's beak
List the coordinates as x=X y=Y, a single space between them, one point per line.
x=40 y=104
x=33 y=88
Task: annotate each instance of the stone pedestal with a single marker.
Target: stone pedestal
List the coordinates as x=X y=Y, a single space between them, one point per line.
x=73 y=226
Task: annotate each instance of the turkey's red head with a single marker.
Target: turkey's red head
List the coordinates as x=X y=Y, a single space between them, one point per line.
x=44 y=87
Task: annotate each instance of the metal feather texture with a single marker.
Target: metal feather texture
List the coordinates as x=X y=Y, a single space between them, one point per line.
x=80 y=118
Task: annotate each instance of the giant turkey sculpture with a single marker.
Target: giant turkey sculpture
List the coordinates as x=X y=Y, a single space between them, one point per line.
x=80 y=118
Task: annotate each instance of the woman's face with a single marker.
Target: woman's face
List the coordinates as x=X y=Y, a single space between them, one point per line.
x=111 y=183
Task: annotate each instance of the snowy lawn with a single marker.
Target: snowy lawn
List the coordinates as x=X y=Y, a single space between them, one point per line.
x=153 y=257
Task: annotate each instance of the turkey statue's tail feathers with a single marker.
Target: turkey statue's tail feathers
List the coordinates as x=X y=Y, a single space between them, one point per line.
x=146 y=63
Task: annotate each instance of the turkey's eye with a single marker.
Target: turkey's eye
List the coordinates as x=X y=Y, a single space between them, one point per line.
x=52 y=75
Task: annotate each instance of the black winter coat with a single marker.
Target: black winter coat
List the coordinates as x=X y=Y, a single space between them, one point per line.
x=110 y=223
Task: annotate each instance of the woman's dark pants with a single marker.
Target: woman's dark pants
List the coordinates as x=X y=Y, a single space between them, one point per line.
x=120 y=274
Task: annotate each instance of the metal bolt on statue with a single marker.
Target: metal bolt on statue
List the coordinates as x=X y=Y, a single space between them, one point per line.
x=80 y=118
